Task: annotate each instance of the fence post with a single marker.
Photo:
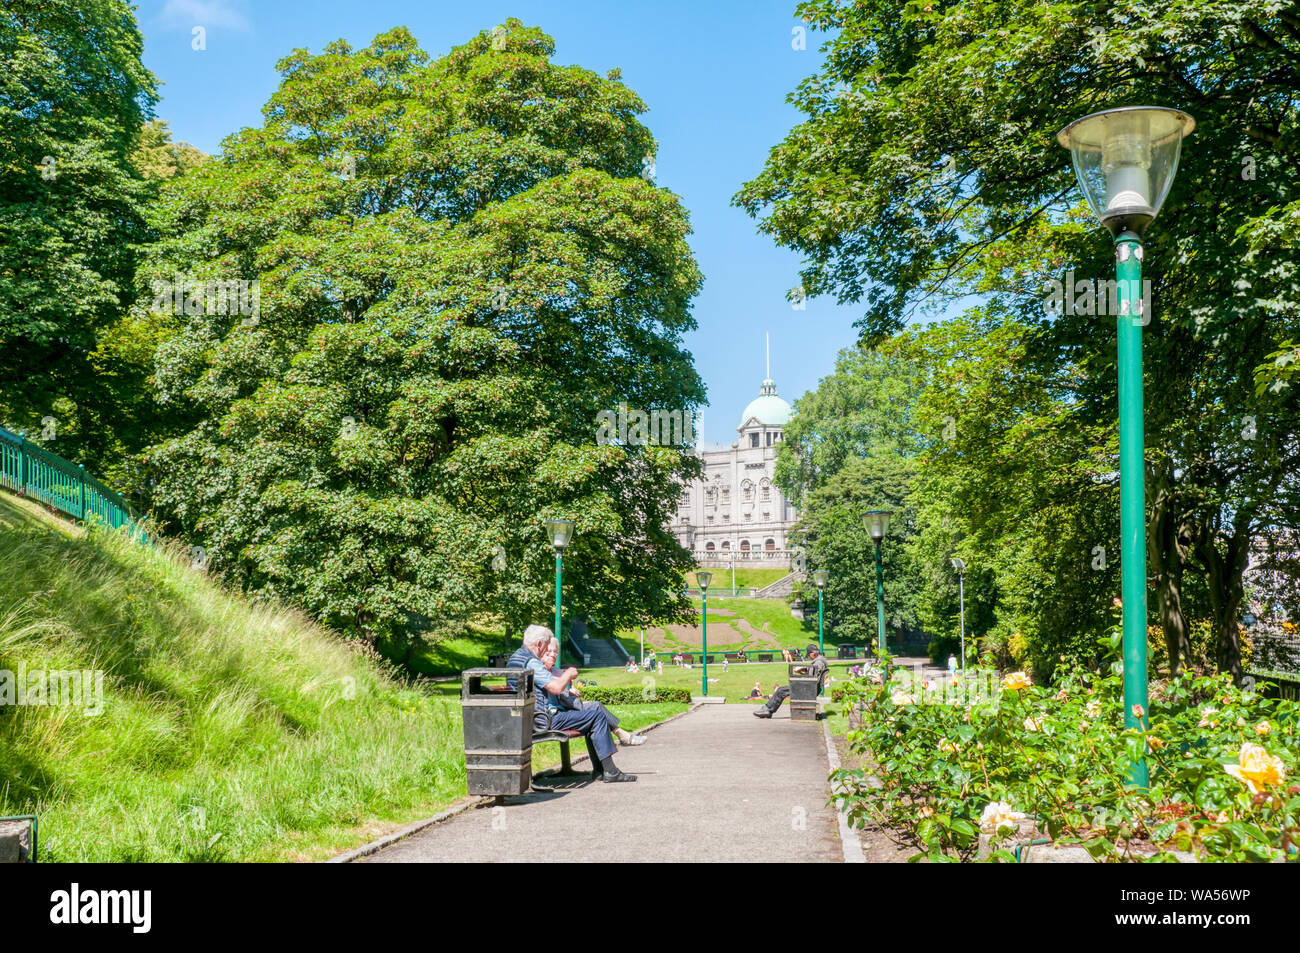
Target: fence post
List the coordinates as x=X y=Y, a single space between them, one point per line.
x=81 y=491
x=22 y=463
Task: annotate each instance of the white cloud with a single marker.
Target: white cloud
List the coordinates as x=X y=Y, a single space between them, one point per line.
x=184 y=14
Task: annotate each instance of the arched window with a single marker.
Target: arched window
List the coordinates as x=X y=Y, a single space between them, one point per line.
x=767 y=489
x=726 y=546
x=747 y=489
x=708 y=547
x=744 y=545
x=770 y=545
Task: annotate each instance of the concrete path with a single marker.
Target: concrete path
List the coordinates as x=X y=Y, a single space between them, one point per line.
x=715 y=785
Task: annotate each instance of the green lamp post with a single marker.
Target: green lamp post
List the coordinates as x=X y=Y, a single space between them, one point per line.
x=1125 y=160
x=704 y=577
x=560 y=531
x=877 y=522
x=819 y=580
x=959 y=564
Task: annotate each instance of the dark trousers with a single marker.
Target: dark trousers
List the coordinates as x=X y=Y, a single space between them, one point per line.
x=592 y=722
x=778 y=698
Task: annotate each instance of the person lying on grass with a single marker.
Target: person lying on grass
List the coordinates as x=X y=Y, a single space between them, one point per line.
x=572 y=699
x=593 y=722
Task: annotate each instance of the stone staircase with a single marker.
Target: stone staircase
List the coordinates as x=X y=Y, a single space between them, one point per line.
x=597 y=653
x=779 y=589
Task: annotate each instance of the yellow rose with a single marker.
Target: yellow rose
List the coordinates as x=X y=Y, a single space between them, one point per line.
x=1032 y=724
x=1257 y=769
x=902 y=698
x=1092 y=709
x=1207 y=719
x=1016 y=681
x=1154 y=743
x=999 y=817
x=1263 y=728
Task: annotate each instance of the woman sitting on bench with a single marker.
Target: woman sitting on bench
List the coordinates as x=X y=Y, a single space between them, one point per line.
x=573 y=700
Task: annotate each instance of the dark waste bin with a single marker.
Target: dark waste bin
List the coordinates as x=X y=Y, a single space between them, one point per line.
x=498 y=661
x=803 y=694
x=848 y=651
x=498 y=730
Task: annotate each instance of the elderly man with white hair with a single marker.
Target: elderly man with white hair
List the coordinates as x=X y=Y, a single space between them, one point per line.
x=593 y=722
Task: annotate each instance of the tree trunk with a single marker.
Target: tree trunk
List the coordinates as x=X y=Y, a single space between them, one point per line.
x=1168 y=542
x=1224 y=569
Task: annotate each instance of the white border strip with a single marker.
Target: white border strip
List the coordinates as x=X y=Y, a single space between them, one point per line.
x=849 y=839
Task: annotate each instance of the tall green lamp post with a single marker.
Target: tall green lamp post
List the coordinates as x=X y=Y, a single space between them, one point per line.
x=560 y=531
x=819 y=580
x=877 y=522
x=959 y=564
x=704 y=577
x=1125 y=160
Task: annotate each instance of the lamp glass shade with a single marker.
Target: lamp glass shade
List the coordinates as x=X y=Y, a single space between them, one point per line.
x=819 y=578
x=877 y=523
x=704 y=577
x=560 y=531
x=1125 y=160
x=959 y=564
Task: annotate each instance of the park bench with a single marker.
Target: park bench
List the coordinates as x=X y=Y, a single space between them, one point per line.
x=733 y=657
x=848 y=651
x=765 y=656
x=688 y=659
x=562 y=735
x=796 y=655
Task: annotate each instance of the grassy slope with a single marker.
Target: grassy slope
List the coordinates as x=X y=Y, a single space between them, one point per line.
x=230 y=730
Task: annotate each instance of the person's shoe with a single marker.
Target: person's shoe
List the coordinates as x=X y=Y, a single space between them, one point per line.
x=633 y=741
x=610 y=777
x=762 y=713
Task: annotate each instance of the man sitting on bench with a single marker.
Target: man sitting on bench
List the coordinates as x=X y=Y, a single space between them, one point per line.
x=592 y=722
x=816 y=667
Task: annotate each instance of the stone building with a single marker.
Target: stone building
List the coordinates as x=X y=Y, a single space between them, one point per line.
x=735 y=512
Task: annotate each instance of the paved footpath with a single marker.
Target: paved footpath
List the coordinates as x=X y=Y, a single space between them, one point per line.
x=715 y=785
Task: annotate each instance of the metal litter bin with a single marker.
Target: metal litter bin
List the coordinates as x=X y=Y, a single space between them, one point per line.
x=803 y=694
x=498 y=730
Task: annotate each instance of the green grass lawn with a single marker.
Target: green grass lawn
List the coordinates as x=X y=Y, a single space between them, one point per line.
x=735 y=683
x=745 y=578
x=766 y=615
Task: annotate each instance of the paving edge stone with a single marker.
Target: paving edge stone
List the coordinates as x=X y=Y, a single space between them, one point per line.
x=461 y=806
x=850 y=843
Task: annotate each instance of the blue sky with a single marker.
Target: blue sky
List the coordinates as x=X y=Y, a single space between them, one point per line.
x=715 y=76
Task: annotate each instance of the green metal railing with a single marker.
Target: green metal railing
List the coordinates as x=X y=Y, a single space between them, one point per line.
x=47 y=478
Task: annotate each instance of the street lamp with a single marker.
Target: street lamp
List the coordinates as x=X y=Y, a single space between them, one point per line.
x=819 y=580
x=1125 y=160
x=704 y=577
x=560 y=532
x=959 y=564
x=877 y=522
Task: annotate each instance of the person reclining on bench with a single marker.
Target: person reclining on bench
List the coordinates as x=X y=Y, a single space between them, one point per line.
x=573 y=698
x=593 y=722
x=816 y=667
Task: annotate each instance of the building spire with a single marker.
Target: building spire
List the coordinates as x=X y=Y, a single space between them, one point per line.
x=769 y=385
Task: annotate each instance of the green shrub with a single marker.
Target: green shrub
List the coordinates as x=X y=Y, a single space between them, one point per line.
x=635 y=695
x=1061 y=756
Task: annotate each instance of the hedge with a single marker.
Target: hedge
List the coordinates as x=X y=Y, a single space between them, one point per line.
x=635 y=695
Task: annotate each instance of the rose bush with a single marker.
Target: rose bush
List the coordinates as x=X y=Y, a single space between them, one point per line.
x=1223 y=767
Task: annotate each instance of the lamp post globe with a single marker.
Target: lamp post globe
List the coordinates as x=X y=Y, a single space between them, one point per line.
x=1125 y=160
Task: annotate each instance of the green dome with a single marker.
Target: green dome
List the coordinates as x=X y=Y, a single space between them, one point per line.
x=767 y=407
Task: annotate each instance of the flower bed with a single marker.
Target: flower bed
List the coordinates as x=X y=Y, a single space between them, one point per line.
x=1219 y=761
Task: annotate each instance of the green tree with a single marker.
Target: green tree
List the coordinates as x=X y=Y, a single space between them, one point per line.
x=460 y=265
x=927 y=169
x=73 y=98
x=850 y=448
